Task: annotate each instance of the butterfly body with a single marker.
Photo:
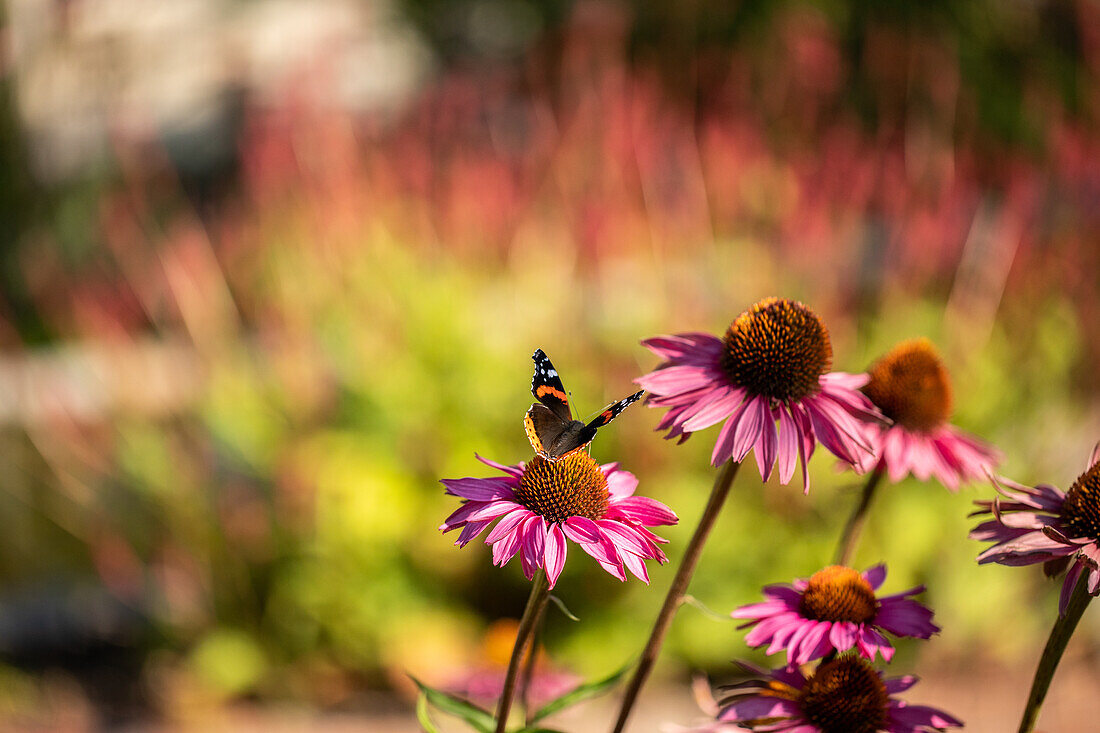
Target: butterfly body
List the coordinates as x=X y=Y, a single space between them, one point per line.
x=550 y=426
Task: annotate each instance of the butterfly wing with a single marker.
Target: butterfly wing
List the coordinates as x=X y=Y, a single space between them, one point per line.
x=609 y=413
x=547 y=388
x=544 y=429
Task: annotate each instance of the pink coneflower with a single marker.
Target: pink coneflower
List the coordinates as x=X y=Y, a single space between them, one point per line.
x=845 y=695
x=835 y=610
x=484 y=681
x=1043 y=524
x=541 y=503
x=910 y=385
x=771 y=366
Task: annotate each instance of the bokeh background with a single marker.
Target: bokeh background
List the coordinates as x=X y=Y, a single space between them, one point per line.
x=270 y=269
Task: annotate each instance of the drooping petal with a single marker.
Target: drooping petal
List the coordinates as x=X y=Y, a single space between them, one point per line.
x=534 y=539
x=555 y=554
x=714 y=408
x=918 y=716
x=507 y=525
x=581 y=530
x=636 y=566
x=903 y=617
x=506 y=548
x=748 y=428
x=723 y=447
x=788 y=445
x=460 y=516
x=470 y=531
x=767 y=444
x=1072 y=577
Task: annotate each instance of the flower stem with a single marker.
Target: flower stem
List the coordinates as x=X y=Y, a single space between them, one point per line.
x=849 y=538
x=528 y=671
x=1052 y=653
x=540 y=593
x=676 y=591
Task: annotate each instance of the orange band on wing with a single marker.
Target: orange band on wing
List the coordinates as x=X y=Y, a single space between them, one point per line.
x=532 y=434
x=545 y=389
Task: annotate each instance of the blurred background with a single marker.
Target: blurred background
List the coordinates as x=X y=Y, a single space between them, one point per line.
x=270 y=269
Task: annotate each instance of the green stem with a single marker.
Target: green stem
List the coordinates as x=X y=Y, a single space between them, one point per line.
x=676 y=591
x=1052 y=653
x=540 y=593
x=849 y=538
x=528 y=671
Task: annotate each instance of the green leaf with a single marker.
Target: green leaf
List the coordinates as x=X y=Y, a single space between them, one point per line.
x=561 y=607
x=578 y=694
x=422 y=714
x=478 y=719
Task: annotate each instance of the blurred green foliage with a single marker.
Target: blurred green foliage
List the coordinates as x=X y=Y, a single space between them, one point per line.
x=359 y=316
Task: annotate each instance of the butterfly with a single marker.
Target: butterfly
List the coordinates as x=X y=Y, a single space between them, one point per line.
x=550 y=426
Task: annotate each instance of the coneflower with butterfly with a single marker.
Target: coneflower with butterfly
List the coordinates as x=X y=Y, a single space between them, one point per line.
x=560 y=494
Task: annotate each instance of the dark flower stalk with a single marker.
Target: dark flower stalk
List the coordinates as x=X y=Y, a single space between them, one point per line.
x=849 y=538
x=536 y=602
x=676 y=591
x=528 y=671
x=1052 y=654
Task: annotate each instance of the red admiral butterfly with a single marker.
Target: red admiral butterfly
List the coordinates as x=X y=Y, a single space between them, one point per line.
x=550 y=426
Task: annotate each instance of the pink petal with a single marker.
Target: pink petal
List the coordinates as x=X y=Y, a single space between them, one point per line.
x=621 y=484
x=636 y=565
x=875 y=576
x=719 y=405
x=470 y=531
x=916 y=717
x=1072 y=577
x=748 y=428
x=622 y=536
x=788 y=445
x=581 y=530
x=768 y=442
x=723 y=447
x=506 y=548
x=646 y=511
x=685 y=346
x=895 y=685
x=507 y=525
x=492 y=510
x=555 y=554
x=480 y=489
x=534 y=539
x=677 y=379
x=513 y=470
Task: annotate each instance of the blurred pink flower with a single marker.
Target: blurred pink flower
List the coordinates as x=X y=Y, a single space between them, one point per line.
x=833 y=611
x=910 y=385
x=542 y=503
x=772 y=365
x=1044 y=524
x=484 y=681
x=843 y=695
